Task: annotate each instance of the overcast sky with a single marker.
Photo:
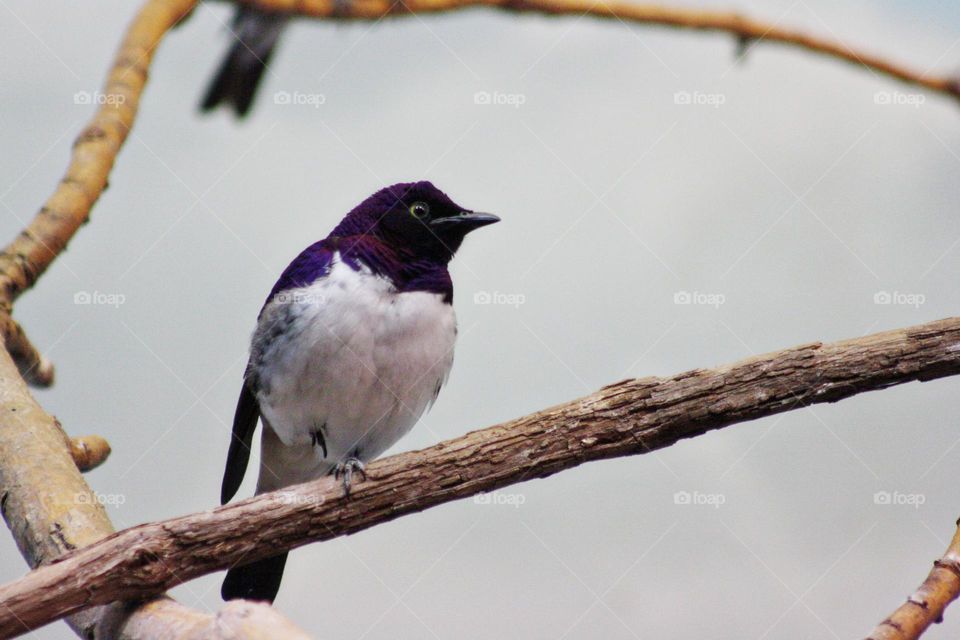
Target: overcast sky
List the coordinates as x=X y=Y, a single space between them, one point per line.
x=789 y=197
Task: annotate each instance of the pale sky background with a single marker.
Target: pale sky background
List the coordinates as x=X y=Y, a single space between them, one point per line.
x=797 y=200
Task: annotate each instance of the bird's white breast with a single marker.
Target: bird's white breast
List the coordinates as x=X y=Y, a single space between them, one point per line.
x=353 y=356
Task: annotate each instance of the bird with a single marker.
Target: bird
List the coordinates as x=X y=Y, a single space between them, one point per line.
x=236 y=81
x=351 y=347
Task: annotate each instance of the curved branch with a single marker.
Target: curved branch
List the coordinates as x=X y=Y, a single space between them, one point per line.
x=626 y=418
x=40 y=487
x=36 y=369
x=94 y=150
x=51 y=511
x=49 y=508
x=927 y=604
x=746 y=30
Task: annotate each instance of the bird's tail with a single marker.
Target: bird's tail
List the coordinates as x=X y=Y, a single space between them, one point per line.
x=259 y=580
x=242 y=69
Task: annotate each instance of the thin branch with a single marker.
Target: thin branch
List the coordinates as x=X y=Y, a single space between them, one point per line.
x=46 y=503
x=35 y=460
x=94 y=151
x=627 y=418
x=926 y=605
x=96 y=148
x=36 y=369
x=745 y=30
x=51 y=511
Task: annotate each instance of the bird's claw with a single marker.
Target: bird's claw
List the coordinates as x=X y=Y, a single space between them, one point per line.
x=344 y=472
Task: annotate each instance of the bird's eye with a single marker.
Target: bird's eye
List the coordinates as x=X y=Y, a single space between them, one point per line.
x=419 y=210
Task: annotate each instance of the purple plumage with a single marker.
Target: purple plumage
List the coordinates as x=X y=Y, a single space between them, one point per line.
x=344 y=365
x=371 y=236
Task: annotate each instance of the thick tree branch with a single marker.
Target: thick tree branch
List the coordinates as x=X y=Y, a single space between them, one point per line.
x=927 y=604
x=746 y=30
x=52 y=511
x=626 y=418
x=49 y=508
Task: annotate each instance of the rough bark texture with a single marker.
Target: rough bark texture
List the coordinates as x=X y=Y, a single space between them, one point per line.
x=927 y=604
x=626 y=418
x=746 y=30
x=51 y=511
x=46 y=503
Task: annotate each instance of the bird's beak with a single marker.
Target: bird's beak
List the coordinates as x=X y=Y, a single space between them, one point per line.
x=465 y=222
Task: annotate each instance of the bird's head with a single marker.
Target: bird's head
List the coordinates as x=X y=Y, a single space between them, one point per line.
x=414 y=218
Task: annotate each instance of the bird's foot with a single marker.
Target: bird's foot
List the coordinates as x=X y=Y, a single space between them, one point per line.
x=344 y=472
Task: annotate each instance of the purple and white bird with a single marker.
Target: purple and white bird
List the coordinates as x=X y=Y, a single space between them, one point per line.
x=351 y=348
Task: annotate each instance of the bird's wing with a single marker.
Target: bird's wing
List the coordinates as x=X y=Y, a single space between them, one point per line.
x=312 y=262
x=244 y=424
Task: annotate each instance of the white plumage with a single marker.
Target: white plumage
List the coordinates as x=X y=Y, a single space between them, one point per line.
x=349 y=357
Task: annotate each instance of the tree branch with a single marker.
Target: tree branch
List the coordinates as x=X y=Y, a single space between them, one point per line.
x=626 y=418
x=926 y=605
x=46 y=503
x=94 y=151
x=32 y=365
x=746 y=30
x=51 y=511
